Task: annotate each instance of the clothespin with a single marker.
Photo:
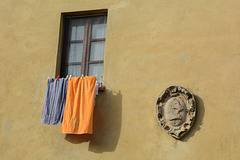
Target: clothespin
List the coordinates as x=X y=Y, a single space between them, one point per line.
x=66 y=77
x=96 y=76
x=70 y=76
x=82 y=76
x=48 y=77
x=57 y=78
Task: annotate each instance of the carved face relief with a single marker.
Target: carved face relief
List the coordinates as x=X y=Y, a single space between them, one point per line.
x=176 y=109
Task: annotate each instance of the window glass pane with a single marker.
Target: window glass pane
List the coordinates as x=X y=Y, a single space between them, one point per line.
x=75 y=52
x=97 y=51
x=99 y=27
x=77 y=29
x=74 y=70
x=96 y=69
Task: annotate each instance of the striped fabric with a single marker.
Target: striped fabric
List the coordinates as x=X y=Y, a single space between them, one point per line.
x=54 y=104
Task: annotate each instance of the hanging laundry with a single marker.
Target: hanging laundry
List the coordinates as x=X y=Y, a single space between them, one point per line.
x=96 y=92
x=62 y=106
x=96 y=89
x=78 y=113
x=54 y=103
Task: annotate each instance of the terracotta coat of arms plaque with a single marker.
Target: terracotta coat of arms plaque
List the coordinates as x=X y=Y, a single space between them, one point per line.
x=176 y=110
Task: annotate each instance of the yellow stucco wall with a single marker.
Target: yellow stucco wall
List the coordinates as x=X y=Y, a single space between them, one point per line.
x=150 y=45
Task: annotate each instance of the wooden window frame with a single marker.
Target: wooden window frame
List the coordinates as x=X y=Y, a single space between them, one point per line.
x=87 y=39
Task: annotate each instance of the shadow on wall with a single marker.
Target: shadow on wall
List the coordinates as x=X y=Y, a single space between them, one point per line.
x=107 y=121
x=198 y=120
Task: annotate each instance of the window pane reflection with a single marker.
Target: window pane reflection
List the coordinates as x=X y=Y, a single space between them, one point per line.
x=77 y=29
x=75 y=52
x=97 y=51
x=96 y=69
x=99 y=27
x=74 y=70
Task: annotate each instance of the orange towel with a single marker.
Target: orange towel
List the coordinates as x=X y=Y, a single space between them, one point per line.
x=78 y=113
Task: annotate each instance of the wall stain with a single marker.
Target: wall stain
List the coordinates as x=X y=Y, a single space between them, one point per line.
x=6 y=128
x=184 y=58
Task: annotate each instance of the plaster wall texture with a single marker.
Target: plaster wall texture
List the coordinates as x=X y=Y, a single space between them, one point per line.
x=150 y=45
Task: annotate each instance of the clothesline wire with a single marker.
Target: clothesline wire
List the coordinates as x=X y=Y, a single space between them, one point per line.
x=102 y=81
x=109 y=86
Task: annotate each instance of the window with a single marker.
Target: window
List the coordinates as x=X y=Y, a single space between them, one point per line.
x=83 y=45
